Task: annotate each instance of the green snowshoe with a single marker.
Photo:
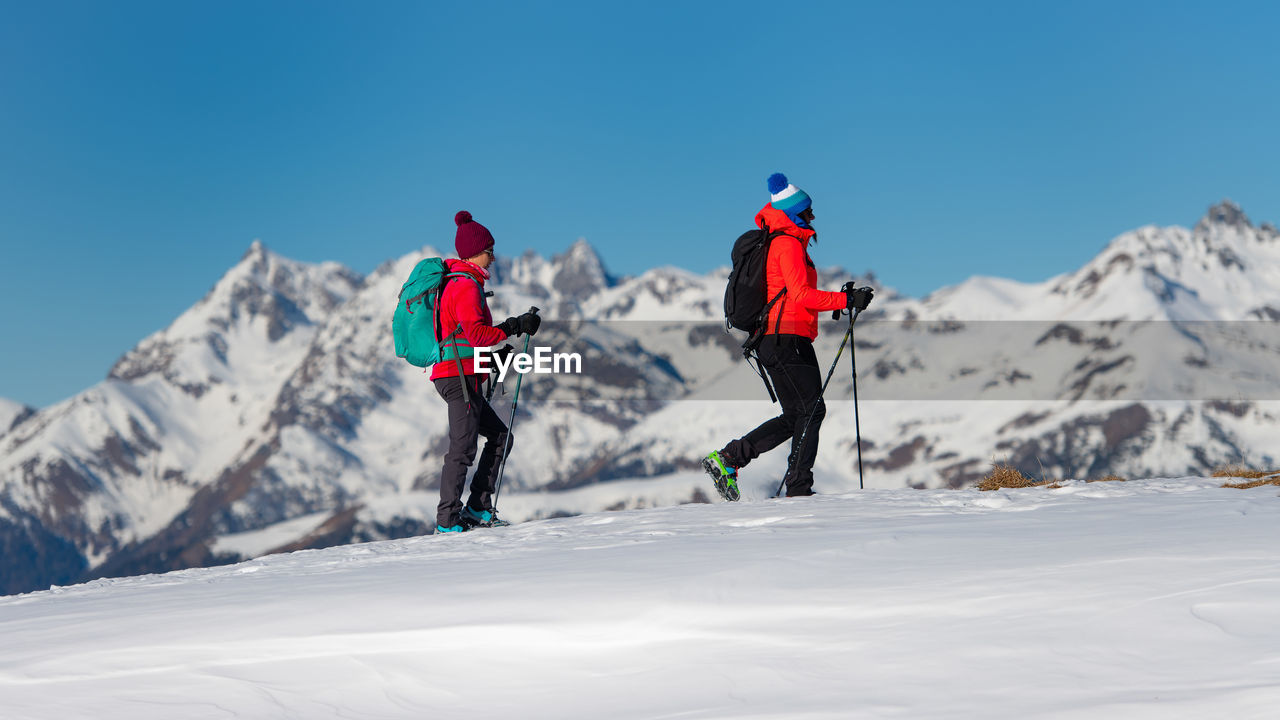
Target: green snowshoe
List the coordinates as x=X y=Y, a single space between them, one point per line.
x=723 y=475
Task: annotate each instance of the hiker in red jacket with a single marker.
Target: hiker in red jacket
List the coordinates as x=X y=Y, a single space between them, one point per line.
x=786 y=351
x=464 y=322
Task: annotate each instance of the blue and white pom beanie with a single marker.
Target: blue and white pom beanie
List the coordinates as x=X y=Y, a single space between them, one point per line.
x=788 y=198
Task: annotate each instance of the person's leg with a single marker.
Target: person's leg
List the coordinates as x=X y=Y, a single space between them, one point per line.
x=806 y=378
x=497 y=439
x=463 y=431
x=774 y=352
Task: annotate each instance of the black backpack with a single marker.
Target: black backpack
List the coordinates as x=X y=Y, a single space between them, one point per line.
x=745 y=305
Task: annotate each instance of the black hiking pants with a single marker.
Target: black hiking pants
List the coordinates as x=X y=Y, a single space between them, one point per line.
x=469 y=418
x=793 y=369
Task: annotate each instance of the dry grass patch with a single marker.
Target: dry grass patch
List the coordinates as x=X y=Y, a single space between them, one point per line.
x=1003 y=475
x=1240 y=471
x=1259 y=477
x=1253 y=484
x=1108 y=478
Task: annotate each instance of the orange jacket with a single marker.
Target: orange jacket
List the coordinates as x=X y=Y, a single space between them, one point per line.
x=789 y=266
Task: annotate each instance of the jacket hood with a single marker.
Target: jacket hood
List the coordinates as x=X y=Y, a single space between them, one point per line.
x=775 y=219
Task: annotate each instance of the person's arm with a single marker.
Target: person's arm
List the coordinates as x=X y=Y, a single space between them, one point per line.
x=467 y=302
x=791 y=265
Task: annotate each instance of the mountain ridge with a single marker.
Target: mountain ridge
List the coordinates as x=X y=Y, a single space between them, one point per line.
x=275 y=397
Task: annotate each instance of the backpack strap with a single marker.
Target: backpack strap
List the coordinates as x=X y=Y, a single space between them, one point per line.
x=759 y=370
x=764 y=318
x=440 y=294
x=457 y=357
x=462 y=377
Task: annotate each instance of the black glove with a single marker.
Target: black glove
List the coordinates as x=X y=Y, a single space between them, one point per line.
x=530 y=322
x=510 y=326
x=858 y=298
x=526 y=323
x=502 y=353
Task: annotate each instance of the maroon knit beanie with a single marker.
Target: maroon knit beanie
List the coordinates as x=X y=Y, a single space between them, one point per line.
x=473 y=238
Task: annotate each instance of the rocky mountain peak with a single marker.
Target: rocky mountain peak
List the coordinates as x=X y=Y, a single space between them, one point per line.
x=286 y=292
x=1224 y=214
x=264 y=294
x=580 y=273
x=12 y=413
x=257 y=254
x=1216 y=270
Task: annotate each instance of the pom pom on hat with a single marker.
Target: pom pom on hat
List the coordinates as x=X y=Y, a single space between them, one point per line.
x=777 y=183
x=472 y=237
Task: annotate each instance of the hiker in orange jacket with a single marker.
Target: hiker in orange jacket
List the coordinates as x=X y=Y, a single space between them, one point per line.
x=786 y=351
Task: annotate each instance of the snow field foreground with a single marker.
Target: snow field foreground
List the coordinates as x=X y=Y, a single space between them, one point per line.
x=1145 y=599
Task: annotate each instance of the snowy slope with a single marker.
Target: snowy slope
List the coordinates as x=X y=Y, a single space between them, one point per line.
x=1147 y=599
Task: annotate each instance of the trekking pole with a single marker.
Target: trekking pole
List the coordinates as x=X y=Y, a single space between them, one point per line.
x=853 y=362
x=511 y=423
x=799 y=447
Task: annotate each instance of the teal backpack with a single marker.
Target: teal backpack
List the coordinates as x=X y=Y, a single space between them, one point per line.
x=414 y=324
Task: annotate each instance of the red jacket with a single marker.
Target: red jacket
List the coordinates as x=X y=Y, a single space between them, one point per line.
x=789 y=266
x=462 y=304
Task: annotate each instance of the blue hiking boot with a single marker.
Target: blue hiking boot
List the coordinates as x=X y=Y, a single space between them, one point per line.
x=481 y=518
x=723 y=475
x=451 y=529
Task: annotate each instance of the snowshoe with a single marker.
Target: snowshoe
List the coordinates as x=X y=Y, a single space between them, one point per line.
x=481 y=518
x=723 y=475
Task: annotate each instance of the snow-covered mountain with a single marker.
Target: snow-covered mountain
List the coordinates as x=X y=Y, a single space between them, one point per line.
x=273 y=415
x=1224 y=269
x=121 y=461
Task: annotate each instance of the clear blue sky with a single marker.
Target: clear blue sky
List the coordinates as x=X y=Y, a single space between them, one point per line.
x=144 y=145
